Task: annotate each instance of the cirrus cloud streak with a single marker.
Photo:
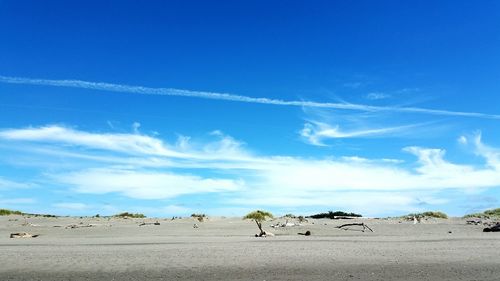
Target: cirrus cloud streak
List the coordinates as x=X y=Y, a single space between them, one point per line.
x=102 y=86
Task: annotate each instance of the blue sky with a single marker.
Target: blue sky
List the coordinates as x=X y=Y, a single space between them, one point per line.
x=170 y=108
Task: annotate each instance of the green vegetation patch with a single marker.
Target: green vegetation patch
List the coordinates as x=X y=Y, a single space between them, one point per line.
x=433 y=214
x=258 y=215
x=6 y=212
x=198 y=215
x=495 y=213
x=130 y=215
x=334 y=215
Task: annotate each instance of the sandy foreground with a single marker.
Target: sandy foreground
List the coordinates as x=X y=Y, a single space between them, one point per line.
x=224 y=249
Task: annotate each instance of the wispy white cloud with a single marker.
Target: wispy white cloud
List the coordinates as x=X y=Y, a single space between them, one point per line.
x=330 y=174
x=132 y=144
x=231 y=97
x=377 y=96
x=316 y=132
x=433 y=173
x=462 y=140
x=264 y=180
x=408 y=90
x=491 y=154
x=143 y=184
x=353 y=85
x=474 y=142
x=168 y=210
x=11 y=185
x=401 y=93
x=71 y=206
x=135 y=127
x=126 y=143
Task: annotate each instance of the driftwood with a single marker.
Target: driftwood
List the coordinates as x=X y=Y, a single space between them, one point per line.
x=356 y=224
x=29 y=224
x=286 y=224
x=474 y=222
x=265 y=234
x=149 y=223
x=72 y=226
x=23 y=235
x=307 y=233
x=495 y=228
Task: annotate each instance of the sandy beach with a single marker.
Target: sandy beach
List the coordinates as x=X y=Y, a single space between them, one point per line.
x=225 y=249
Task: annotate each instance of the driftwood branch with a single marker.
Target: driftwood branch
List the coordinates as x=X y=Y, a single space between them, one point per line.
x=495 y=228
x=307 y=233
x=72 y=226
x=149 y=223
x=23 y=235
x=356 y=224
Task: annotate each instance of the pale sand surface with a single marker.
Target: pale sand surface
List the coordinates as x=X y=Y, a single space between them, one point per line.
x=224 y=249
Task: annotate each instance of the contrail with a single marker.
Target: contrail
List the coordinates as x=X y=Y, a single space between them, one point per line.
x=231 y=97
